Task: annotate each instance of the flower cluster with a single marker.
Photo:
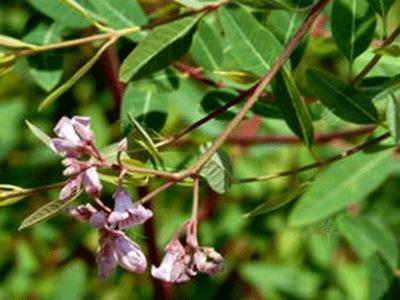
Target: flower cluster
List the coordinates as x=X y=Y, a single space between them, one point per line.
x=75 y=142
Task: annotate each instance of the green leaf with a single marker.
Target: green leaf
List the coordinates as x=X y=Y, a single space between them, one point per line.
x=393 y=117
x=60 y=11
x=353 y=26
x=148 y=108
x=278 y=202
x=121 y=14
x=380 y=278
x=207 y=48
x=239 y=76
x=6 y=192
x=217 y=171
x=141 y=137
x=74 y=78
x=381 y=6
x=159 y=48
x=368 y=237
x=71 y=282
x=271 y=278
x=38 y=133
x=293 y=107
x=11 y=113
x=255 y=48
x=345 y=182
x=47 y=211
x=344 y=101
x=46 y=68
x=10 y=42
x=291 y=5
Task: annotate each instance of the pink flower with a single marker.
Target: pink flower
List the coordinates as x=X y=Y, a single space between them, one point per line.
x=73 y=136
x=207 y=260
x=117 y=249
x=175 y=264
x=127 y=214
x=82 y=212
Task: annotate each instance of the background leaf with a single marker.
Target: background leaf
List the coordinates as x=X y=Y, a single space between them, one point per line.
x=345 y=182
x=381 y=6
x=46 y=68
x=393 y=117
x=353 y=26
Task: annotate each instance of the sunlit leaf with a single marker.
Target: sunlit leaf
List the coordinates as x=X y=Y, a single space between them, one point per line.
x=39 y=133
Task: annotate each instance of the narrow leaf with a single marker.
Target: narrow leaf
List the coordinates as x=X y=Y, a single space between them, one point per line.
x=11 y=42
x=393 y=117
x=39 y=133
x=353 y=26
x=293 y=107
x=47 y=211
x=67 y=85
x=159 y=48
x=342 y=100
x=278 y=202
x=217 y=171
x=345 y=182
x=207 y=49
x=59 y=11
x=255 y=48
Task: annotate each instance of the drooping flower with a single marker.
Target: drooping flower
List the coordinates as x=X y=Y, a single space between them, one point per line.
x=73 y=136
x=82 y=213
x=181 y=262
x=175 y=264
x=127 y=214
x=117 y=249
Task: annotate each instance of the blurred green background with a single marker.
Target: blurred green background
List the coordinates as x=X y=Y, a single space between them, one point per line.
x=265 y=259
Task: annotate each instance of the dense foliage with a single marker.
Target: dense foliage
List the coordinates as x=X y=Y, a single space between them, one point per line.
x=257 y=138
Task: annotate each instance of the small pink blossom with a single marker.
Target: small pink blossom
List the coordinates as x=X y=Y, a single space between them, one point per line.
x=127 y=214
x=73 y=136
x=82 y=212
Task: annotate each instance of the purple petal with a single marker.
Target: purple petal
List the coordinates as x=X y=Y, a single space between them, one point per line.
x=207 y=260
x=107 y=258
x=130 y=257
x=91 y=182
x=70 y=188
x=82 y=212
x=66 y=147
x=98 y=220
x=82 y=120
x=64 y=129
x=125 y=213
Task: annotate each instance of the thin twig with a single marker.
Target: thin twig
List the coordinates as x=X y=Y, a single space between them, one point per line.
x=35 y=191
x=330 y=160
x=258 y=89
x=158 y=190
